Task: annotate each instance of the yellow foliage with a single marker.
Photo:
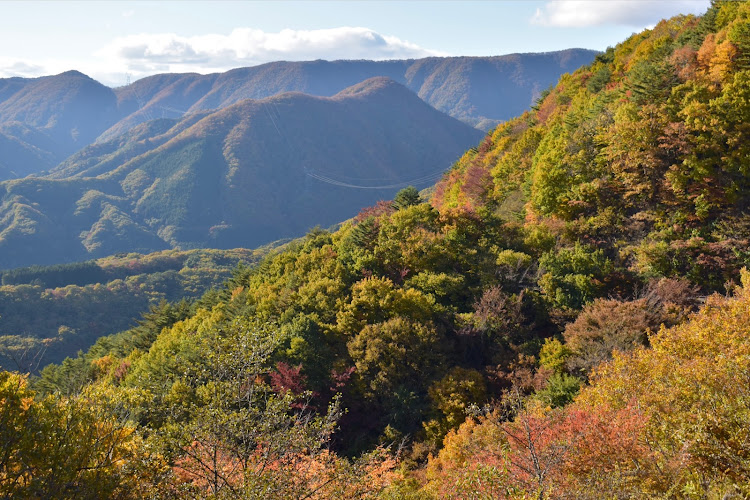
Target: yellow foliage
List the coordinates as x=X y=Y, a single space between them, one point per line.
x=692 y=384
x=472 y=463
x=68 y=447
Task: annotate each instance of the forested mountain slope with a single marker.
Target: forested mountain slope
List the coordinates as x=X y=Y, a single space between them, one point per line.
x=244 y=175
x=478 y=90
x=643 y=155
x=43 y=120
x=554 y=290
x=50 y=313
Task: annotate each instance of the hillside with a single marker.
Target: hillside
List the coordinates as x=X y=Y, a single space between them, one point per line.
x=247 y=174
x=43 y=120
x=478 y=90
x=50 y=313
x=543 y=328
x=643 y=155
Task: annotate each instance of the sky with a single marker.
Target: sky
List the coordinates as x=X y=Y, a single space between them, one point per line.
x=117 y=42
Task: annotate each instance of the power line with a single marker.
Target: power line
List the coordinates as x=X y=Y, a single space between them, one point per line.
x=340 y=180
x=419 y=180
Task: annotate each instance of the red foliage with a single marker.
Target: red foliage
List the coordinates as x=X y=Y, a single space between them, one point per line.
x=339 y=379
x=121 y=370
x=674 y=143
x=403 y=273
x=565 y=453
x=685 y=61
x=601 y=444
x=380 y=208
x=477 y=182
x=288 y=378
x=486 y=145
x=547 y=107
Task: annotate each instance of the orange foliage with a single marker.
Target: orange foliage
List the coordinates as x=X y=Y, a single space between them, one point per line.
x=320 y=475
x=685 y=61
x=672 y=418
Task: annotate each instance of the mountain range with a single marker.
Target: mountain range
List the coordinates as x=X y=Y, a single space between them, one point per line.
x=44 y=120
x=243 y=175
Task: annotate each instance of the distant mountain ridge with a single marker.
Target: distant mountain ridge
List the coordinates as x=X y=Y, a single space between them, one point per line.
x=244 y=175
x=44 y=120
x=472 y=89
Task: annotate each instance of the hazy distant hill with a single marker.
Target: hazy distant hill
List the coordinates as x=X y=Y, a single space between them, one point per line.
x=250 y=173
x=49 y=313
x=43 y=120
x=26 y=150
x=477 y=90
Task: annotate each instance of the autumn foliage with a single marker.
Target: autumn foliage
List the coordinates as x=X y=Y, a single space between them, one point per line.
x=561 y=320
x=664 y=420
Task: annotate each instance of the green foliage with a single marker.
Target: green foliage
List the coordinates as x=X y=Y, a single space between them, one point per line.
x=452 y=396
x=406 y=197
x=84 y=451
x=223 y=422
x=554 y=355
x=41 y=324
x=396 y=352
x=82 y=273
x=711 y=263
x=561 y=389
x=574 y=276
x=599 y=79
x=381 y=335
x=70 y=376
x=364 y=233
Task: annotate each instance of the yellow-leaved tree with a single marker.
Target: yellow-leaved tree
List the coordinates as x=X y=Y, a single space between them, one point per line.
x=671 y=420
x=68 y=448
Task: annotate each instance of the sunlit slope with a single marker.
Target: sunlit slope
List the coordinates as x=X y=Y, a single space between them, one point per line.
x=43 y=120
x=245 y=175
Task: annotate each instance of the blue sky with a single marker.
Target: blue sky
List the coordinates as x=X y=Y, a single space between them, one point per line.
x=113 y=41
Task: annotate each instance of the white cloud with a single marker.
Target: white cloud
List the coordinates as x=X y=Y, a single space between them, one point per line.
x=140 y=55
x=16 y=67
x=636 y=13
x=143 y=53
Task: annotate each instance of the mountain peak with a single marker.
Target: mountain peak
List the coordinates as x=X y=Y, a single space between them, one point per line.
x=73 y=73
x=377 y=84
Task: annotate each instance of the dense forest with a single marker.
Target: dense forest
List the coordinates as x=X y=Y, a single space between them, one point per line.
x=50 y=313
x=566 y=317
